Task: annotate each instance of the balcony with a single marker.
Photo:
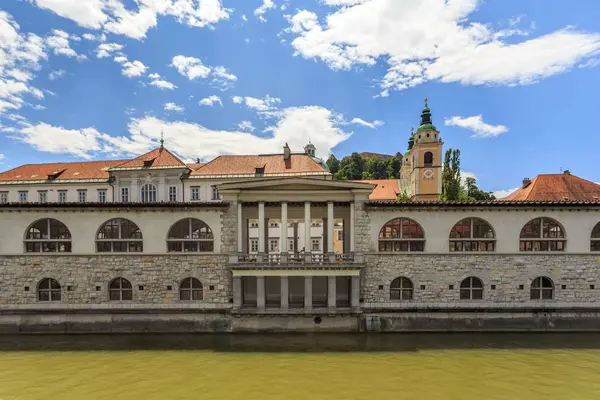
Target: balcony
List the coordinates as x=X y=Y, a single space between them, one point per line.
x=296 y=259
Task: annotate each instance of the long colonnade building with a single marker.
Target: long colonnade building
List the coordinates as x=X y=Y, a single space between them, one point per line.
x=272 y=242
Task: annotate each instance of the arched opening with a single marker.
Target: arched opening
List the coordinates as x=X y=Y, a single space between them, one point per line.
x=120 y=289
x=48 y=235
x=48 y=289
x=401 y=288
x=400 y=235
x=428 y=159
x=148 y=193
x=471 y=288
x=119 y=235
x=595 y=240
x=190 y=235
x=190 y=289
x=542 y=234
x=472 y=234
x=542 y=288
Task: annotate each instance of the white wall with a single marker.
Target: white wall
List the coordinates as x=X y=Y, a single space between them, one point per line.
x=84 y=225
x=507 y=225
x=53 y=189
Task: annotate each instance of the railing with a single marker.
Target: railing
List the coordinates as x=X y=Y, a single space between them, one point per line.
x=296 y=258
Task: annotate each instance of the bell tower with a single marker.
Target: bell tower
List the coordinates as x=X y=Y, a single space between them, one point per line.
x=426 y=154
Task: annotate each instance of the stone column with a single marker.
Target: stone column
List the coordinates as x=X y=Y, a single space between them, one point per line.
x=355 y=292
x=351 y=227
x=331 y=292
x=308 y=292
x=261 y=227
x=237 y=292
x=330 y=227
x=283 y=237
x=240 y=230
x=163 y=190
x=284 y=293
x=260 y=292
x=307 y=229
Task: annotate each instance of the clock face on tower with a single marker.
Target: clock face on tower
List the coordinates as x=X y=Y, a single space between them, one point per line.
x=428 y=173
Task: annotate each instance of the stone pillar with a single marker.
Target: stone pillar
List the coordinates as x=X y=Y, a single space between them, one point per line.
x=308 y=292
x=284 y=293
x=237 y=292
x=283 y=239
x=307 y=229
x=331 y=292
x=351 y=227
x=134 y=191
x=330 y=225
x=355 y=292
x=240 y=228
x=261 y=227
x=260 y=292
x=163 y=190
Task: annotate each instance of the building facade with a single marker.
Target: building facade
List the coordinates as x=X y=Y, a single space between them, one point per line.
x=272 y=243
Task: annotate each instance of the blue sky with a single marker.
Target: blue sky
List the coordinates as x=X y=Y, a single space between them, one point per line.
x=512 y=84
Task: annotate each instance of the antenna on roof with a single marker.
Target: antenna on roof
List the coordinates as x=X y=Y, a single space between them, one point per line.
x=162 y=138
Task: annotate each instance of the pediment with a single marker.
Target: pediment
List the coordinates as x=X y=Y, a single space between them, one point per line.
x=295 y=184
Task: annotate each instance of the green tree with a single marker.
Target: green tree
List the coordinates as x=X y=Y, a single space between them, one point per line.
x=351 y=168
x=451 y=185
x=375 y=168
x=333 y=164
x=472 y=192
x=403 y=196
x=393 y=168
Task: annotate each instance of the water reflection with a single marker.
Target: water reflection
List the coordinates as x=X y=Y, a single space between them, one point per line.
x=303 y=343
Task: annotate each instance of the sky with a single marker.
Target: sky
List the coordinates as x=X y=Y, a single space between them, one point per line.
x=512 y=84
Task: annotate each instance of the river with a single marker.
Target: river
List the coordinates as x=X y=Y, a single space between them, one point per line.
x=290 y=367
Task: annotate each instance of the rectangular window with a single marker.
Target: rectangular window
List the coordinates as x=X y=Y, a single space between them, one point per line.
x=62 y=196
x=101 y=196
x=254 y=245
x=124 y=195
x=82 y=196
x=253 y=224
x=195 y=192
x=172 y=193
x=215 y=194
x=316 y=245
x=291 y=245
x=23 y=197
x=273 y=244
x=340 y=235
x=3 y=197
x=42 y=196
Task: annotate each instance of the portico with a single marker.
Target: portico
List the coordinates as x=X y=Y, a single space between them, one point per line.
x=285 y=259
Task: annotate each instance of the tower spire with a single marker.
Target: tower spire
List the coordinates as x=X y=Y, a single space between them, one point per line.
x=426 y=114
x=162 y=138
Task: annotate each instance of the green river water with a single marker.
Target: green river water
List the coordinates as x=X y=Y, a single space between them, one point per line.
x=400 y=366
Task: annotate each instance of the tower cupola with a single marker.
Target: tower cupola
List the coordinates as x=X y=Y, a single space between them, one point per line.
x=426 y=123
x=310 y=149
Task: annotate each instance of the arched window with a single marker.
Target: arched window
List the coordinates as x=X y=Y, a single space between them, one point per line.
x=148 y=193
x=542 y=234
x=472 y=234
x=48 y=290
x=428 y=159
x=542 y=288
x=595 y=243
x=190 y=289
x=401 y=289
x=48 y=235
x=120 y=289
x=119 y=235
x=190 y=234
x=471 y=288
x=401 y=234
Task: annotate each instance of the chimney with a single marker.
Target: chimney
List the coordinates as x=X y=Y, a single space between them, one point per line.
x=287 y=153
x=198 y=160
x=526 y=182
x=567 y=172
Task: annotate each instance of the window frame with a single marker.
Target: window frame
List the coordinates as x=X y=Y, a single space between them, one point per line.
x=252 y=243
x=473 y=242
x=215 y=195
x=120 y=289
x=398 y=290
x=194 y=193
x=317 y=242
x=3 y=197
x=550 y=243
x=425 y=163
x=42 y=196
x=148 y=193
x=102 y=195
x=470 y=288
x=61 y=194
x=23 y=196
x=172 y=193
x=541 y=288
x=51 y=291
x=273 y=248
x=82 y=195
x=416 y=244
x=136 y=242
x=56 y=242
x=191 y=290
x=124 y=195
x=187 y=241
x=595 y=238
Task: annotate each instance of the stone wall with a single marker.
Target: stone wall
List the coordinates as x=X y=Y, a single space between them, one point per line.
x=229 y=229
x=573 y=276
x=84 y=280
x=362 y=228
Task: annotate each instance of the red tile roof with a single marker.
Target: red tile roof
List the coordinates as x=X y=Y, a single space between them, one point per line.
x=556 y=187
x=272 y=164
x=160 y=157
x=387 y=189
x=62 y=171
x=195 y=166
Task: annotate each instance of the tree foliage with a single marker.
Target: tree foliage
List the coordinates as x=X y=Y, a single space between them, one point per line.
x=453 y=188
x=356 y=167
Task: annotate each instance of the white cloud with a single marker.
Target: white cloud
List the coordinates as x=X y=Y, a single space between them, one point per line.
x=260 y=11
x=114 y=17
x=457 y=50
x=107 y=49
x=78 y=142
x=244 y=18
x=38 y=107
x=476 y=124
x=246 y=126
x=131 y=68
x=222 y=79
x=193 y=68
x=211 y=101
x=98 y=38
x=503 y=193
x=173 y=107
x=162 y=84
x=375 y=124
x=267 y=103
x=57 y=74
x=59 y=43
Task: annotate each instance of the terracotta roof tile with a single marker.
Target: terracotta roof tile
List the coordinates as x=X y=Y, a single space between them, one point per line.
x=557 y=187
x=62 y=171
x=272 y=164
x=160 y=157
x=195 y=166
x=387 y=189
